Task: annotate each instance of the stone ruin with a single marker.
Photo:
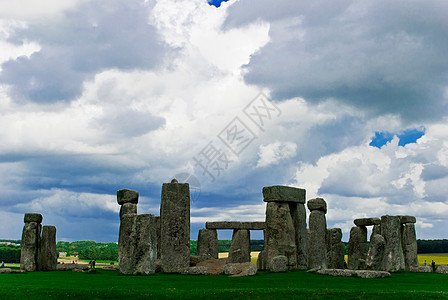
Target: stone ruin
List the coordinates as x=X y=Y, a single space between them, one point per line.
x=38 y=247
x=148 y=243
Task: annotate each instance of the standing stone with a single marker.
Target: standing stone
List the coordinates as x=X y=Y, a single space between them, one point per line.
x=157 y=224
x=175 y=227
x=335 y=249
x=393 y=254
x=298 y=213
x=30 y=242
x=48 y=257
x=317 y=248
x=128 y=208
x=409 y=246
x=126 y=244
x=261 y=261
x=376 y=230
x=357 y=248
x=280 y=233
x=145 y=249
x=375 y=254
x=208 y=243
x=239 y=251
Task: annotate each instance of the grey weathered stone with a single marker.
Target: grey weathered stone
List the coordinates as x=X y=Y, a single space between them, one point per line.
x=240 y=269
x=71 y=267
x=126 y=243
x=157 y=224
x=354 y=273
x=30 y=246
x=195 y=271
x=317 y=204
x=280 y=193
x=261 y=261
x=145 y=251
x=376 y=230
x=208 y=243
x=111 y=268
x=280 y=233
x=421 y=269
x=393 y=253
x=127 y=196
x=279 y=264
x=375 y=254
x=235 y=225
x=442 y=269
x=9 y=270
x=407 y=219
x=195 y=259
x=214 y=266
x=335 y=249
x=367 y=221
x=317 y=247
x=357 y=248
x=128 y=208
x=298 y=214
x=32 y=217
x=175 y=227
x=239 y=251
x=48 y=256
x=409 y=243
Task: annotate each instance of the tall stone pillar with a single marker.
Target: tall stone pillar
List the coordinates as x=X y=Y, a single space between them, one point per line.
x=29 y=256
x=48 y=256
x=175 y=227
x=393 y=253
x=285 y=233
x=357 y=248
x=335 y=249
x=317 y=248
x=239 y=251
x=208 y=243
x=409 y=242
x=128 y=199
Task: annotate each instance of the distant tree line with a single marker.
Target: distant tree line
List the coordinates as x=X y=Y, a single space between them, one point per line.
x=9 y=253
x=89 y=250
x=432 y=246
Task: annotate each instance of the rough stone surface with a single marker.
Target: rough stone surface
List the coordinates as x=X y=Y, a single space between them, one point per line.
x=128 y=208
x=235 y=225
x=71 y=267
x=261 y=261
x=195 y=259
x=48 y=256
x=335 y=249
x=127 y=196
x=8 y=270
x=407 y=219
x=195 y=271
x=279 y=264
x=280 y=233
x=409 y=243
x=175 y=227
x=367 y=221
x=111 y=268
x=279 y=193
x=354 y=273
x=442 y=269
x=33 y=217
x=375 y=254
x=298 y=214
x=240 y=269
x=157 y=224
x=30 y=246
x=214 y=266
x=317 y=204
x=376 y=230
x=239 y=251
x=393 y=253
x=208 y=243
x=357 y=248
x=421 y=269
x=126 y=243
x=317 y=247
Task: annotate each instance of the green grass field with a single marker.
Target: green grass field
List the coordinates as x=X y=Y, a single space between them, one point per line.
x=265 y=285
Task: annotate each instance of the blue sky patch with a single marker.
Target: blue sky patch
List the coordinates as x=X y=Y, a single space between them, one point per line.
x=406 y=137
x=216 y=3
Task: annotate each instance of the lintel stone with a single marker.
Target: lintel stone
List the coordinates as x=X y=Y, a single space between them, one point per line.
x=33 y=217
x=127 y=196
x=407 y=219
x=367 y=221
x=280 y=193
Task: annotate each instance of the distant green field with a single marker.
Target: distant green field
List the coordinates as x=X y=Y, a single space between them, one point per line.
x=265 y=285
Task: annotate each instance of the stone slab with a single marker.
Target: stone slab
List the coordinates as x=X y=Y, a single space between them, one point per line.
x=407 y=219
x=317 y=204
x=354 y=273
x=367 y=221
x=127 y=196
x=236 y=225
x=33 y=217
x=48 y=256
x=280 y=193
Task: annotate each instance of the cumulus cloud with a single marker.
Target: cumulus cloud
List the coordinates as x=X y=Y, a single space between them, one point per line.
x=273 y=153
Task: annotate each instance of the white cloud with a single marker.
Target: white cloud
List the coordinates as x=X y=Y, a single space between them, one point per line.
x=273 y=153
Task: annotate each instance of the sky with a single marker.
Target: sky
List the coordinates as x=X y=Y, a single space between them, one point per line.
x=346 y=99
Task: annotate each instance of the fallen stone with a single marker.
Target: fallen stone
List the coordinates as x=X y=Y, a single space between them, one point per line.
x=374 y=260
x=240 y=269
x=239 y=251
x=279 y=264
x=372 y=274
x=357 y=248
x=393 y=253
x=175 y=227
x=195 y=271
x=317 y=204
x=421 y=269
x=442 y=269
x=407 y=219
x=70 y=267
x=48 y=256
x=33 y=217
x=354 y=273
x=280 y=193
x=8 y=270
x=111 y=268
x=128 y=208
x=235 y=225
x=208 y=243
x=367 y=221
x=195 y=259
x=127 y=196
x=214 y=266
x=78 y=270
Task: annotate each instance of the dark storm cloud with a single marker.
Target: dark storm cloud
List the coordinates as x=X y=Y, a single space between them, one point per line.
x=93 y=37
